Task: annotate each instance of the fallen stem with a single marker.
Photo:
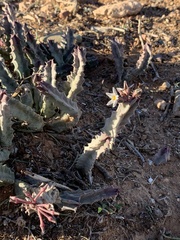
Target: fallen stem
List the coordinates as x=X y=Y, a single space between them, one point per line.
x=104 y=29
x=43 y=179
x=132 y=148
x=103 y=171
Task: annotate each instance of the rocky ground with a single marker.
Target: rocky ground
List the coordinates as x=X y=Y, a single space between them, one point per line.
x=148 y=203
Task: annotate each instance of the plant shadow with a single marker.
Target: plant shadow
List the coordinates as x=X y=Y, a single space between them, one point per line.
x=154 y=11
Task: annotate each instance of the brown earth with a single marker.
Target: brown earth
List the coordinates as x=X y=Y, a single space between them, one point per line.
x=141 y=211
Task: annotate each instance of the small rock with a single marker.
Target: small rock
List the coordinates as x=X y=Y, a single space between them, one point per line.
x=160 y=104
x=64 y=14
x=150 y=180
x=118 y=10
x=164 y=86
x=162 y=156
x=5 y=222
x=176 y=107
x=150 y=162
x=167 y=20
x=152 y=200
x=158 y=213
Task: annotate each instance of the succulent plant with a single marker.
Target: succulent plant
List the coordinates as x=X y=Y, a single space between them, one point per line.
x=42 y=200
x=29 y=91
x=29 y=94
x=141 y=65
x=7 y=176
x=127 y=101
x=32 y=92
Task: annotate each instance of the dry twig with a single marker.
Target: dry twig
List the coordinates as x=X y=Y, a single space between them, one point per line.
x=103 y=171
x=132 y=148
x=46 y=180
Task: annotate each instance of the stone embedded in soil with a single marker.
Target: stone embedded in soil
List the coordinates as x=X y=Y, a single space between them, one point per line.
x=176 y=107
x=119 y=10
x=160 y=104
x=164 y=86
x=162 y=156
x=158 y=213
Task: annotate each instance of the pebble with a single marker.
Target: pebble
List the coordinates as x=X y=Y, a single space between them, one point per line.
x=165 y=85
x=118 y=10
x=152 y=200
x=160 y=104
x=150 y=180
x=5 y=222
x=158 y=213
x=33 y=227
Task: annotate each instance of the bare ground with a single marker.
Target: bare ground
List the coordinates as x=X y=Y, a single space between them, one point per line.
x=141 y=210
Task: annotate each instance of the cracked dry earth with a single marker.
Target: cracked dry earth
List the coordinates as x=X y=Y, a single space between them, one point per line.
x=142 y=210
